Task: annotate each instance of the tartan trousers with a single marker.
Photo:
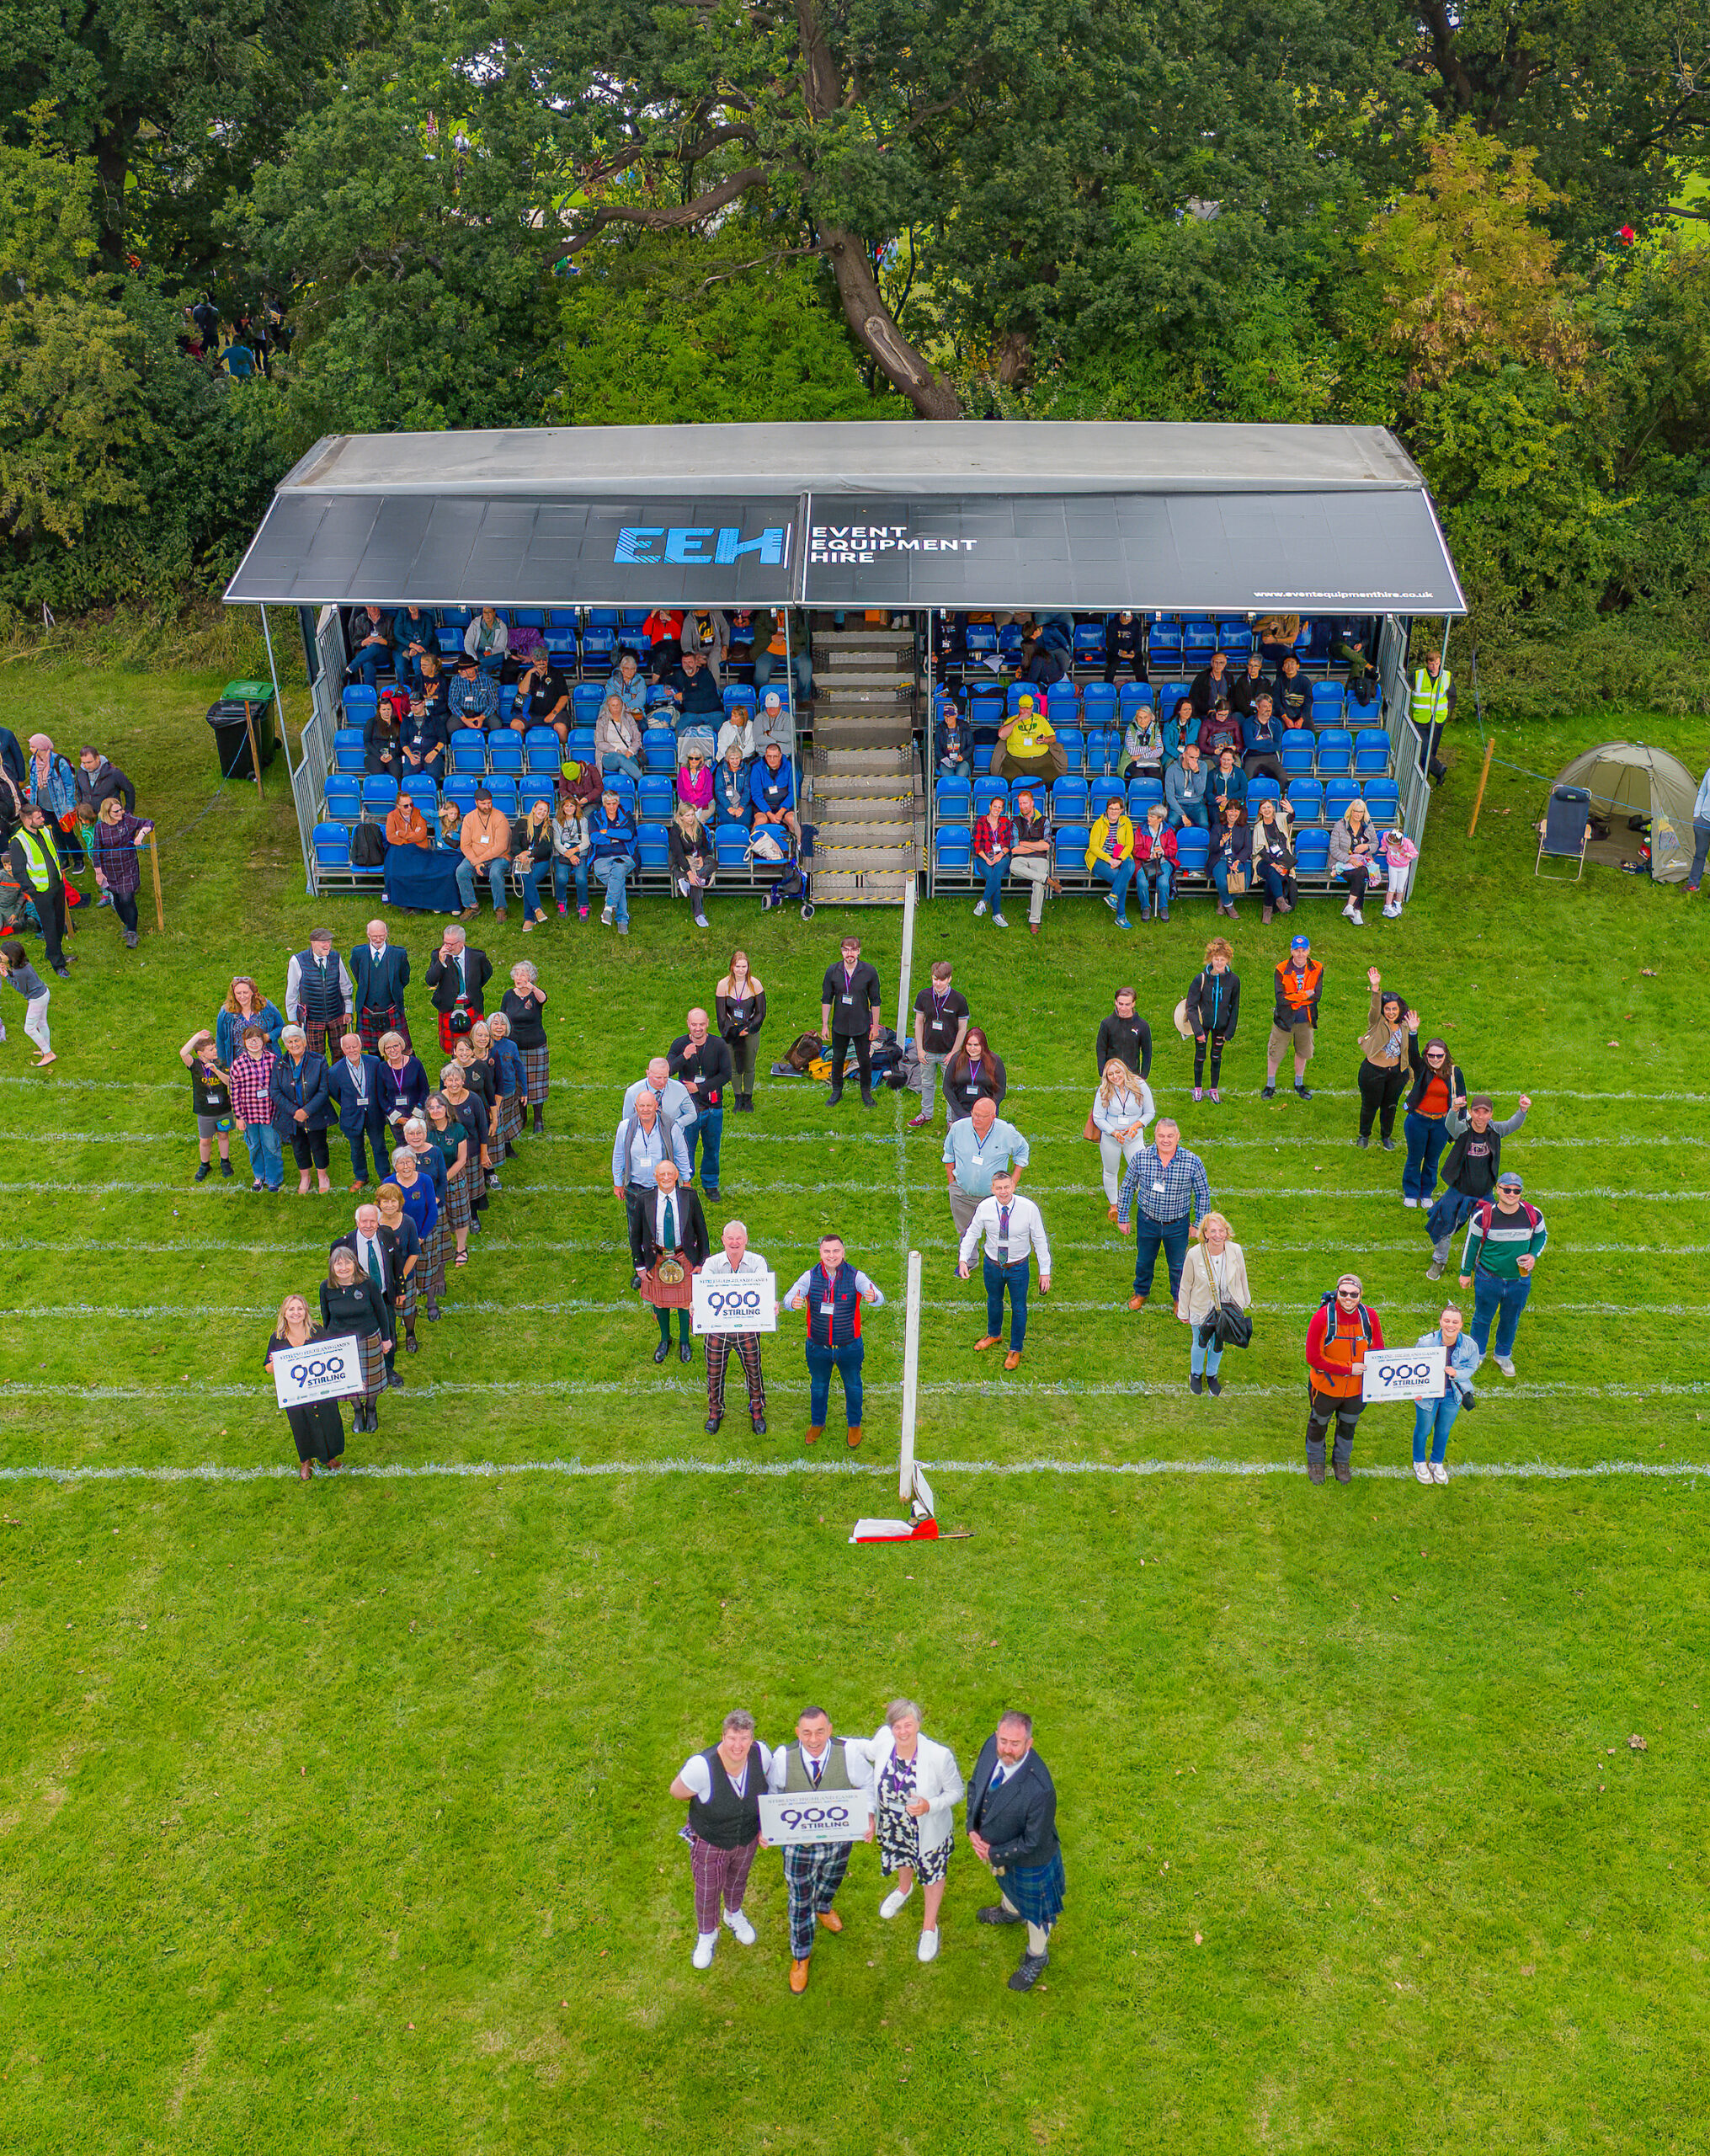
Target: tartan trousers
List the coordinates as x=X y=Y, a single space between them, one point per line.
x=813 y=1871
x=718 y=1873
x=718 y=1350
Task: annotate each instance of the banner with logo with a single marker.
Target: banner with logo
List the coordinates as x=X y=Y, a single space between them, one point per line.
x=1405 y=1373
x=325 y=1369
x=739 y=1302
x=816 y=1815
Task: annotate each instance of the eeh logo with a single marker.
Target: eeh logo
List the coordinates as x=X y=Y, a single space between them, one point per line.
x=698 y=546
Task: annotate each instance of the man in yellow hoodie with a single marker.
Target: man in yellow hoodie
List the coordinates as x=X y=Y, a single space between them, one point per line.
x=1028 y=746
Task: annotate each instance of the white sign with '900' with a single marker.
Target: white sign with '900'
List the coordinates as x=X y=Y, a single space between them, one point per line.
x=736 y=1302
x=325 y=1369
x=817 y=1815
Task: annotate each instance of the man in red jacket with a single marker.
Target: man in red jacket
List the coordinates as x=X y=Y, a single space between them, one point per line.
x=1336 y=1340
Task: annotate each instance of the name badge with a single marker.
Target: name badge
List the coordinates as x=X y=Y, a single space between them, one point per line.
x=849 y=999
x=1158 y=1186
x=828 y=1310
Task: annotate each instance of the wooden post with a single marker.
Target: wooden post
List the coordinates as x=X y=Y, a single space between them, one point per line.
x=1478 y=798
x=154 y=859
x=254 y=745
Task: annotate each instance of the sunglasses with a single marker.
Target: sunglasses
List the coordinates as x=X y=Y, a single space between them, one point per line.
x=1347 y=1295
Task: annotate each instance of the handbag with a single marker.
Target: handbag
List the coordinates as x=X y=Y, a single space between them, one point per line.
x=1229 y=1326
x=1237 y=876
x=1090 y=1130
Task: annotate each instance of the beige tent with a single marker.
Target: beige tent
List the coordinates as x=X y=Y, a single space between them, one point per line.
x=1626 y=779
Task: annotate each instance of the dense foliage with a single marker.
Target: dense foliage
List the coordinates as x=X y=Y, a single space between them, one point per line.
x=1479 y=225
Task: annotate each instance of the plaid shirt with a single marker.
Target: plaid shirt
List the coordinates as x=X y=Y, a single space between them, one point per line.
x=249 y=1097
x=1185 y=1193
x=473 y=703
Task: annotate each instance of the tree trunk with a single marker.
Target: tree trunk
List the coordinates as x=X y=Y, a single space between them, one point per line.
x=113 y=164
x=906 y=369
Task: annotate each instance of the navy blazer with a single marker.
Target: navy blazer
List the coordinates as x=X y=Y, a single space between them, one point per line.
x=379 y=987
x=293 y=1085
x=1020 y=1819
x=341 y=1091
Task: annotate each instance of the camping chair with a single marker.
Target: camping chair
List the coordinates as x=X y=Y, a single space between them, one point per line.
x=1565 y=831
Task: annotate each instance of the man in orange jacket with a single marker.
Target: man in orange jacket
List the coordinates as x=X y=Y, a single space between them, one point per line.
x=1341 y=1329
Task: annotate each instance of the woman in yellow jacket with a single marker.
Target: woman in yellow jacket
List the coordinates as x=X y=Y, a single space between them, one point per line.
x=1111 y=857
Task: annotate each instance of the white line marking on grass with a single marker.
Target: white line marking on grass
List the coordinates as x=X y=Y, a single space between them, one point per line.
x=782 y=1469
x=214 y=1192
x=584 y=1306
x=1650 y=1142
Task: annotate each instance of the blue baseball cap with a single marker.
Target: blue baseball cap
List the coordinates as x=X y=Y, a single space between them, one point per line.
x=1508 y=1181
x=1301 y=944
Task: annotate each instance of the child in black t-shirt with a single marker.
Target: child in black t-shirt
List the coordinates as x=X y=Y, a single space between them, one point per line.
x=210 y=1097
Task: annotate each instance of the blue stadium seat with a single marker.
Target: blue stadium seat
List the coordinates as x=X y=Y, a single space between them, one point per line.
x=631 y=620
x=331 y=846
x=505 y=754
x=1169 y=695
x=1338 y=793
x=1103 y=752
x=659 y=749
x=984 y=709
x=658 y=697
x=561 y=646
x=955 y=846
x=1017 y=689
x=980 y=640
x=1068 y=801
x=379 y=793
x=346 y=748
x=423 y=788
x=1142 y=794
x=1163 y=641
x=506 y=703
x=742 y=692
x=453 y=621
x=1261 y=789
x=561 y=618
x=1298 y=748
x=1089 y=643
x=1098 y=703
x=1306 y=797
x=1009 y=642
x=986 y=792
x=1235 y=635
x=1383 y=799
x=582 y=745
x=652 y=846
x=542 y=749
x=1105 y=800
x=460 y=788
x=1311 y=852
x=953 y=800
x=1193 y=849
x=1327 y=703
x=624 y=786
x=344 y=797
x=586 y=698
x=361 y=702
x=1133 y=696
x=527 y=617
x=731 y=845
x=468 y=749
x=1335 y=752
x=1068 y=852
x=1199 y=640
x=983 y=758
x=598 y=649
x=1371 y=751
x=1074 y=745
x=533 y=790
x=504 y=795
x=1063 y=704
x=658 y=798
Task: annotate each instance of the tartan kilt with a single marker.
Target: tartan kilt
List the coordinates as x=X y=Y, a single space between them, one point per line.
x=663 y=1295
x=373 y=1349
x=447 y=1039
x=536 y=1071
x=455 y=1213
x=430 y=1269
x=1036 y=1891
x=371 y=1024
x=506 y=1121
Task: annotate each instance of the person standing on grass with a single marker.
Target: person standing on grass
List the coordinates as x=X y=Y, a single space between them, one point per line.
x=1122 y=1108
x=1504 y=1242
x=1124 y=1034
x=1390 y=1028
x=1437 y=1084
x=1341 y=1329
x=734 y=1261
x=1214 y=1277
x=1701 y=832
x=673 y=1247
x=916 y=1786
x=974 y=1074
x=739 y=1002
x=523 y=1004
x=457 y=978
x=941 y=1026
x=413 y=1168
x=816 y=1762
x=252 y=1107
x=1434 y=1419
x=319 y=993
x=648 y=1136
x=114 y=843
x=380 y=973
x=1012 y=1827
x=33 y=860
x=976 y=1147
x=832 y=1294
x=510 y=1080
x=1174 y=1191
x=1470 y=1167
x=301 y=1106
x=1213 y=1010
x=721 y=1787
x=850 y=1006
x=211 y=1096
x=407 y=1244
x=375 y=1249
x=245 y=1005
x=1299 y=985
x=15 y=966
x=351 y=1303
x=318 y=1430
x=1013 y=1231
x=702 y=1065
x=445 y=1133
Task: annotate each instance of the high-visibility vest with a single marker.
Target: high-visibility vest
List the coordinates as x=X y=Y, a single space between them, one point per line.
x=38 y=850
x=1431 y=699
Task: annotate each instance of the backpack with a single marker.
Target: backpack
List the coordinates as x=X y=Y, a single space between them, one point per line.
x=399 y=703
x=1327 y=1301
x=1485 y=1212
x=368 y=847
x=805 y=1048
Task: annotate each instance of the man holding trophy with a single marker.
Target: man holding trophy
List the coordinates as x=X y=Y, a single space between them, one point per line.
x=818 y=1774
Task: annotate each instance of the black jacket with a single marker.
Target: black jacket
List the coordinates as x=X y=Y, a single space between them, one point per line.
x=691 y=1226
x=1129 y=1040
x=388 y=1240
x=1122 y=643
x=1458 y=1088
x=1244 y=693
x=93 y=787
x=360 y=1308
x=1207 y=688
x=991 y=1085
x=712 y=1064
x=442 y=979
x=1214 y=1003
x=1019 y=1818
x=380 y=985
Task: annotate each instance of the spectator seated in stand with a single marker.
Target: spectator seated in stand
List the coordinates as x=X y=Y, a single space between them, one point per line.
x=695 y=780
x=379 y=739
x=1211 y=685
x=953 y=745
x=772 y=791
x=627 y=683
x=1142 y=744
x=411 y=640
x=1246 y=688
x=473 y=698
x=773 y=723
x=1261 y=741
x=1048 y=652
x=486 y=641
x=406 y=825
x=732 y=796
x=1219 y=728
x=617 y=738
x=700 y=706
x=1226 y=783
x=737 y=732
x=370 y=642
x=1291 y=694
x=662 y=631
x=1185 y=791
x=422 y=742
x=1028 y=747
x=542 y=697
x=1123 y=638
x=1180 y=729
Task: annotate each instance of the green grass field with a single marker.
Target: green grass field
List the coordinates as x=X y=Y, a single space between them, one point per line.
x=337 y=1816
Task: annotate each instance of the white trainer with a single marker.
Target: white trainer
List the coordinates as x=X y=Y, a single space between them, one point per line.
x=704 y=1944
x=1357 y=917
x=1504 y=1365
x=929 y=1945
x=998 y=922
x=740 y=1925
x=979 y=908
x=605 y=916
x=1440 y=1472
x=1421 y=1471
x=893 y=1902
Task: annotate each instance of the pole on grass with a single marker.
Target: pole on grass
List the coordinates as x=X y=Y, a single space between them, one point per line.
x=911 y=1378
x=906 y=967
x=254 y=745
x=1478 y=798
x=154 y=862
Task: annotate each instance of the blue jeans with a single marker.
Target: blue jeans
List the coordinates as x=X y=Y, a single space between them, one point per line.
x=266 y=1155
x=1202 y=1360
x=1700 y=851
x=1491 y=1294
x=494 y=873
x=531 y=888
x=1119 y=876
x=953 y=767
x=1435 y=1419
x=365 y=664
x=1149 y=1237
x=613 y=874
x=610 y=762
x=1191 y=812
x=407 y=671
x=800 y=661
x=1155 y=888
x=491 y=661
x=1426 y=1136
x=821 y=1362
x=1014 y=1279
x=707 y=1131
x=993 y=871
x=562 y=873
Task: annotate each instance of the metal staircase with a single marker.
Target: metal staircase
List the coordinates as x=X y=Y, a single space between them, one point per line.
x=867 y=798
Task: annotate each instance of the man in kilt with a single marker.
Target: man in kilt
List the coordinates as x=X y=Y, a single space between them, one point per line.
x=319 y=993
x=457 y=978
x=736 y=1260
x=1012 y=1827
x=380 y=973
x=813 y=1870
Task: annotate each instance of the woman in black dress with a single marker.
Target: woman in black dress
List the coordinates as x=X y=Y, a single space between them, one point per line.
x=319 y=1429
x=975 y=1074
x=741 y=1004
x=351 y=1303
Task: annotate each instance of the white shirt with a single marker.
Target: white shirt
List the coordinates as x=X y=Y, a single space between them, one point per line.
x=372 y=1259
x=718 y=1267
x=856 y=1765
x=660 y=1202
x=1006 y=1771
x=359 y=1071
x=1026 y=1234
x=696 y=1776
